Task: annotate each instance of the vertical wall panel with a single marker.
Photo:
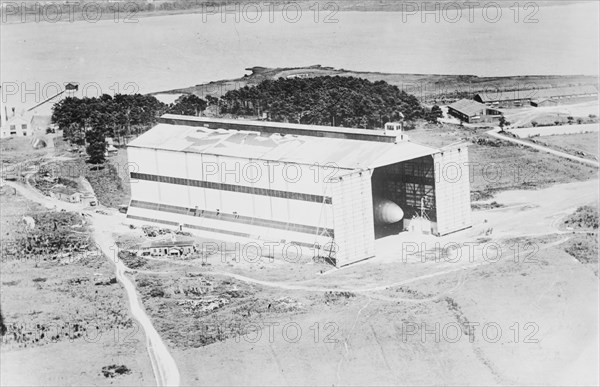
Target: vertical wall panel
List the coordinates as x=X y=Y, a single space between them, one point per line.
x=452 y=193
x=353 y=217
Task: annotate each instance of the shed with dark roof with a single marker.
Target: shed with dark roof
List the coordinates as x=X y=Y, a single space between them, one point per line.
x=473 y=112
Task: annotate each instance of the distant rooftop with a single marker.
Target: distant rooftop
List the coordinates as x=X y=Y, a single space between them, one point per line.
x=468 y=107
x=538 y=93
x=342 y=153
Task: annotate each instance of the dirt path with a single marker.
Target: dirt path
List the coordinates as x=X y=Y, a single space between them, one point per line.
x=494 y=133
x=309 y=288
x=163 y=364
x=165 y=368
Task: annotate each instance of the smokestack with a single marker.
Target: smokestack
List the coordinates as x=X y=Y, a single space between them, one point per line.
x=13 y=112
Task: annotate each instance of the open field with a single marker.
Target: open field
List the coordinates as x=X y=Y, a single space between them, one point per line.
x=560 y=130
x=526 y=316
x=573 y=143
x=66 y=317
x=499 y=165
x=548 y=116
x=369 y=334
x=17 y=149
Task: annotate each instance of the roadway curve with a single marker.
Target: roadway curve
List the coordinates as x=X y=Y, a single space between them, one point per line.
x=165 y=369
x=163 y=364
x=495 y=133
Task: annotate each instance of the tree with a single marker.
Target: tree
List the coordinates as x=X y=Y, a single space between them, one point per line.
x=503 y=123
x=211 y=100
x=337 y=101
x=434 y=114
x=2 y=326
x=96 y=145
x=188 y=105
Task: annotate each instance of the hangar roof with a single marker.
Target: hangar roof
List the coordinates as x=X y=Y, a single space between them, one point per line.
x=280 y=127
x=347 y=154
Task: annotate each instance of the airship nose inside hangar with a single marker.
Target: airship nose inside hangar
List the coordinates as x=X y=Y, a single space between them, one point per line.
x=386 y=212
x=329 y=191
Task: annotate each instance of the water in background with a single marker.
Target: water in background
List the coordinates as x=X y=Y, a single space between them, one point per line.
x=166 y=52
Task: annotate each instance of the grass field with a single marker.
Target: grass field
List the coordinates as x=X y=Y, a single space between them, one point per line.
x=499 y=165
x=572 y=143
x=17 y=149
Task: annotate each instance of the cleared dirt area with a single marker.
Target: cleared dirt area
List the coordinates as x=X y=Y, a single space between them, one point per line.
x=66 y=316
x=514 y=309
x=374 y=342
x=581 y=113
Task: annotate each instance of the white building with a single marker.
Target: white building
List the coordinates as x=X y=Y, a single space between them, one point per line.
x=307 y=189
x=16 y=126
x=65 y=194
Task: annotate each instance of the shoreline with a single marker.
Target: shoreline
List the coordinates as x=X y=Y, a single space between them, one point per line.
x=426 y=87
x=391 y=6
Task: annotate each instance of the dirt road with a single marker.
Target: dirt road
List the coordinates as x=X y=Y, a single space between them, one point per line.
x=494 y=133
x=165 y=368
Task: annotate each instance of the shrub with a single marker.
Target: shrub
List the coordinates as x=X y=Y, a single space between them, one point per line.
x=114 y=370
x=584 y=217
x=157 y=292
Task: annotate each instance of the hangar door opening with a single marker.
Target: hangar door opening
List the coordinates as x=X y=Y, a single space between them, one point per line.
x=404 y=196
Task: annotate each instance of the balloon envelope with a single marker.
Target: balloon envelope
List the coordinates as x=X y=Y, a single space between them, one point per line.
x=386 y=212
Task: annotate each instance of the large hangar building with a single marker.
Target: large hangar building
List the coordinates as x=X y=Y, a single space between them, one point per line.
x=332 y=191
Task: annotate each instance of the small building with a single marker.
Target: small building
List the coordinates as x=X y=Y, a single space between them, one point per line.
x=470 y=111
x=16 y=126
x=66 y=194
x=173 y=247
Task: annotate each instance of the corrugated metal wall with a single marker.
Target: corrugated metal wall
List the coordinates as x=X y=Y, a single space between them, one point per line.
x=353 y=217
x=258 y=198
x=452 y=191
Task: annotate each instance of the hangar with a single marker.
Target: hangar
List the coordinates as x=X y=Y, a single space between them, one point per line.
x=330 y=190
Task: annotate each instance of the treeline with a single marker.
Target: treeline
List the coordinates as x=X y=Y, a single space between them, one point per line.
x=116 y=116
x=88 y=121
x=331 y=101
